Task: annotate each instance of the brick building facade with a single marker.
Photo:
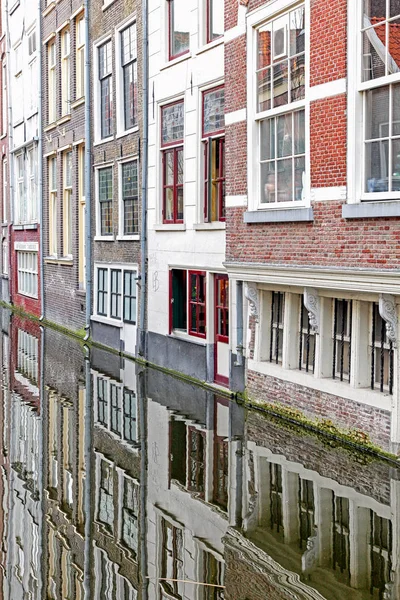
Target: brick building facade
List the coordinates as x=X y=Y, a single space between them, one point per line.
x=116 y=36
x=312 y=207
x=4 y=175
x=63 y=38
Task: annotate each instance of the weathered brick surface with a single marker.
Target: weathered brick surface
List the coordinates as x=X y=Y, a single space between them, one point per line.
x=328 y=40
x=236 y=160
x=235 y=74
x=344 y=413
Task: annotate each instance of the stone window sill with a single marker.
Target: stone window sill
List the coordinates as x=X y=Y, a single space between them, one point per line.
x=371 y=210
x=285 y=215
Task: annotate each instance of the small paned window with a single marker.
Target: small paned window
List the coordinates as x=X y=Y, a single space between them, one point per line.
x=342 y=326
x=102 y=291
x=307 y=341
x=105 y=200
x=172 y=131
x=130 y=296
x=197 y=303
x=105 y=78
x=214 y=155
x=130 y=198
x=382 y=361
x=116 y=293
x=27 y=263
x=102 y=402
x=129 y=431
x=116 y=417
x=129 y=70
x=178 y=19
x=277 y=312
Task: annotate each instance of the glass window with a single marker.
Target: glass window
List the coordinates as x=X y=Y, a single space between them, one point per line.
x=106 y=498
x=215 y=19
x=102 y=402
x=52 y=82
x=129 y=433
x=116 y=420
x=129 y=74
x=105 y=200
x=105 y=78
x=179 y=36
x=67 y=205
x=197 y=303
x=342 y=326
x=53 y=244
x=65 y=73
x=130 y=198
x=130 y=278
x=102 y=291
x=130 y=512
x=80 y=56
x=27 y=273
x=214 y=155
x=172 y=131
x=116 y=293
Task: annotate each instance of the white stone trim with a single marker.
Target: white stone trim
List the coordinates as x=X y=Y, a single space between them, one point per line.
x=323 y=194
x=327 y=90
x=324 y=385
x=234 y=201
x=235 y=116
x=368 y=281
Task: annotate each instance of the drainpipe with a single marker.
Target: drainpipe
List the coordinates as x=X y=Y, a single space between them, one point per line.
x=40 y=161
x=87 y=576
x=41 y=500
x=88 y=175
x=142 y=409
x=239 y=324
x=143 y=233
x=10 y=156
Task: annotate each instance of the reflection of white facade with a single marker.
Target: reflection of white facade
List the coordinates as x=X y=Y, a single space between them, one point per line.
x=109 y=583
x=188 y=501
x=345 y=542
x=24 y=512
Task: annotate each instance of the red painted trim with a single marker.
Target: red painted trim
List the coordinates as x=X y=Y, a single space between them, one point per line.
x=174 y=142
x=170 y=325
x=222 y=379
x=174 y=186
x=198 y=304
x=170 y=21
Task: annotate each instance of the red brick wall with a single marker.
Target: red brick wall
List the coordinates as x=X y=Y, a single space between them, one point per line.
x=328 y=40
x=235 y=74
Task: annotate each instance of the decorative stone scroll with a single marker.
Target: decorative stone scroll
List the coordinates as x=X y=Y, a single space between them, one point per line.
x=251 y=293
x=389 y=592
x=311 y=302
x=388 y=312
x=309 y=559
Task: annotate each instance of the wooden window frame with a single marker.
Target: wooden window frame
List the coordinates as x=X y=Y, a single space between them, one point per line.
x=174 y=147
x=208 y=139
x=190 y=302
x=209 y=37
x=80 y=57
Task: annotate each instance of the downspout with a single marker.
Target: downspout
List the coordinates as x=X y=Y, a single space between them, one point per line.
x=239 y=324
x=41 y=511
x=143 y=233
x=142 y=410
x=40 y=162
x=10 y=156
x=88 y=481
x=88 y=175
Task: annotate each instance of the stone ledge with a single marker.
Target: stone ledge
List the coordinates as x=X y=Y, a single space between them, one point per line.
x=285 y=215
x=371 y=210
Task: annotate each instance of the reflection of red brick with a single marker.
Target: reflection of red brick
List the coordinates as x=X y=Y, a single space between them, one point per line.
x=394 y=37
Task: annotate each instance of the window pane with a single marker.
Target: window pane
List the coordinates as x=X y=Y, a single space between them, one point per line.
x=105 y=66
x=268 y=182
x=284 y=135
x=213 y=111
x=172 y=122
x=284 y=180
x=169 y=168
x=216 y=16
x=377 y=117
x=376 y=166
x=297 y=31
x=374 y=41
x=280 y=84
x=128 y=44
x=394 y=8
x=267 y=139
x=105 y=184
x=264 y=89
x=179 y=19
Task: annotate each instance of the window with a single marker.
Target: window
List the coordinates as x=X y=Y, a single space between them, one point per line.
x=129 y=75
x=28 y=356
x=197 y=303
x=102 y=402
x=178 y=19
x=178 y=300
x=53 y=242
x=52 y=82
x=172 y=131
x=27 y=274
x=215 y=19
x=129 y=209
x=5 y=256
x=105 y=78
x=213 y=574
x=5 y=190
x=307 y=341
x=381 y=554
x=341 y=536
x=81 y=217
x=116 y=293
x=130 y=511
x=129 y=430
x=222 y=308
x=172 y=552
x=4 y=100
x=80 y=56
x=32 y=86
x=21 y=208
x=197 y=461
x=214 y=155
x=65 y=73
x=281 y=88
x=67 y=204
x=102 y=287
x=130 y=278
x=276 y=327
x=105 y=200
x=115 y=396
x=32 y=185
x=382 y=358
x=342 y=325
x=106 y=499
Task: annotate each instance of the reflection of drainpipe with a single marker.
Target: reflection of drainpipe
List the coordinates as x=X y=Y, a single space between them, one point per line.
x=40 y=164
x=239 y=324
x=41 y=461
x=144 y=157
x=88 y=176
x=88 y=475
x=141 y=386
x=10 y=156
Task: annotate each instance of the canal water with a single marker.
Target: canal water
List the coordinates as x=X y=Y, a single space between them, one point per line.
x=123 y=483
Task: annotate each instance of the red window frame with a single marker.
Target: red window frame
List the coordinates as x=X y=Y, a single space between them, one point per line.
x=172 y=56
x=196 y=301
x=209 y=19
x=174 y=147
x=221 y=309
x=208 y=138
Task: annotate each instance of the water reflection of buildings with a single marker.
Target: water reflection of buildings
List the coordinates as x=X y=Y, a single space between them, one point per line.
x=191 y=489
x=116 y=472
x=24 y=516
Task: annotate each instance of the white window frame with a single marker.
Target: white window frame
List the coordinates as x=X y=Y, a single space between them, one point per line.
x=121 y=235
x=5 y=190
x=67 y=205
x=65 y=72
x=20 y=207
x=119 y=79
x=52 y=81
x=254 y=21
x=80 y=51
x=99 y=236
x=53 y=206
x=116 y=322
x=27 y=276
x=4 y=101
x=96 y=90
x=32 y=172
x=4 y=256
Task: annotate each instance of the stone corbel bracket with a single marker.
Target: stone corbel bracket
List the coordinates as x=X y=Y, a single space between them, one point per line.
x=388 y=312
x=251 y=293
x=311 y=302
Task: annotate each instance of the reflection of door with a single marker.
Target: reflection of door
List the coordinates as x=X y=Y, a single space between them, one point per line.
x=221 y=347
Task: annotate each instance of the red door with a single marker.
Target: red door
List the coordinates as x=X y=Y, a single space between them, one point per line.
x=221 y=347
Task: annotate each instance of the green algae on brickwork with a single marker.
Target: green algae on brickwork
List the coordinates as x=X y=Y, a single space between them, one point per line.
x=353 y=438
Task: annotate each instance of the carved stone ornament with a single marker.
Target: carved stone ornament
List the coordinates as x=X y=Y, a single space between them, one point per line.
x=251 y=293
x=311 y=302
x=388 y=312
